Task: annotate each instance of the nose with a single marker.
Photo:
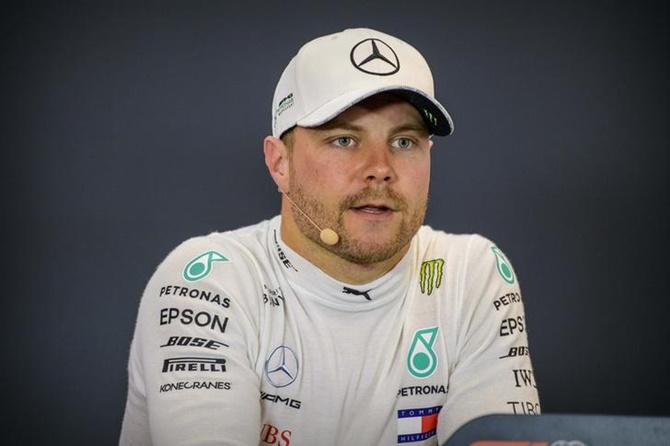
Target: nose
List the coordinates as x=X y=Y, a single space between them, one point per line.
x=379 y=164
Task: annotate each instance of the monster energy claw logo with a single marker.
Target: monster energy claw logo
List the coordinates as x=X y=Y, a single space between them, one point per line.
x=199 y=267
x=430 y=276
x=430 y=116
x=504 y=268
x=421 y=358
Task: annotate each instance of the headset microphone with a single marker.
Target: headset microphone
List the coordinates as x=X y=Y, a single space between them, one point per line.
x=327 y=235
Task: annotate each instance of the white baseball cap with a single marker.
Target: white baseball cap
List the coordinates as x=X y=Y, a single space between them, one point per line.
x=331 y=73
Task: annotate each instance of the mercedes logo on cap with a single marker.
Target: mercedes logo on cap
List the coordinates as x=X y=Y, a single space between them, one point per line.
x=281 y=368
x=374 y=56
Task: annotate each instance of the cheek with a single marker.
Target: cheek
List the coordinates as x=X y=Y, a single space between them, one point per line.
x=309 y=173
x=418 y=180
x=323 y=175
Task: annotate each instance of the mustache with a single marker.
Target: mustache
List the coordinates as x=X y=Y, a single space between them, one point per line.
x=389 y=196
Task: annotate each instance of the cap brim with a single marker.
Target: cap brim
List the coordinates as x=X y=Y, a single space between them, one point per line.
x=433 y=113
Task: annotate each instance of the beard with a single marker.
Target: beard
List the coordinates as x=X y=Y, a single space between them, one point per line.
x=350 y=248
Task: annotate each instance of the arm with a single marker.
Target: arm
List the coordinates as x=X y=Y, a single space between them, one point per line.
x=192 y=379
x=492 y=371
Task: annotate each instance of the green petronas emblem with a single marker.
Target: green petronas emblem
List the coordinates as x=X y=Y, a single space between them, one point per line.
x=504 y=268
x=421 y=358
x=199 y=267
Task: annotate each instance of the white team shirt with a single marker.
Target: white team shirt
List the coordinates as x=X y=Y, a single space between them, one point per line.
x=241 y=341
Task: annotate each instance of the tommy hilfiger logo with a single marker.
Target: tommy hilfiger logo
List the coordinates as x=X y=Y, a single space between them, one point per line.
x=417 y=424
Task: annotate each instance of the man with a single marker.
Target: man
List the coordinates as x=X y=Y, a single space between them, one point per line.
x=342 y=321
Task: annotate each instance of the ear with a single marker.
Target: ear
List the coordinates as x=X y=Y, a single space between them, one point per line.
x=276 y=159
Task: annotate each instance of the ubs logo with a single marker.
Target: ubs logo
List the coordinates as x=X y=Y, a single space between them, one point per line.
x=374 y=56
x=281 y=367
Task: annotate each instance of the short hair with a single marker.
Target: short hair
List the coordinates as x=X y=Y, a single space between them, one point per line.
x=287 y=139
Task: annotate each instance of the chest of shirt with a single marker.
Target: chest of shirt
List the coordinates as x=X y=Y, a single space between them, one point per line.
x=332 y=376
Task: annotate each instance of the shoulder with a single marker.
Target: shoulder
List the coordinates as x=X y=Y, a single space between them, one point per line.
x=231 y=263
x=471 y=260
x=463 y=247
x=200 y=256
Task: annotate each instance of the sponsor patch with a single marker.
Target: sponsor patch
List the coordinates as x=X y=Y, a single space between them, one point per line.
x=187 y=316
x=288 y=402
x=272 y=296
x=195 y=385
x=200 y=267
x=430 y=275
x=524 y=407
x=284 y=104
x=421 y=358
x=281 y=367
x=503 y=266
x=422 y=390
x=194 y=364
x=274 y=435
x=282 y=255
x=195 y=294
x=355 y=292
x=417 y=424
x=524 y=378
x=507 y=299
x=190 y=341
x=521 y=350
x=511 y=325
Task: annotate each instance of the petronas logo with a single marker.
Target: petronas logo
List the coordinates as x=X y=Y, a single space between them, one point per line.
x=421 y=359
x=430 y=276
x=199 y=267
x=504 y=268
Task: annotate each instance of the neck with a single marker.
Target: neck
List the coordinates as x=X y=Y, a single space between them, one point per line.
x=329 y=262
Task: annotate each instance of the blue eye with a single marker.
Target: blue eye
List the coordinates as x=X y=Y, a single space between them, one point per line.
x=343 y=141
x=403 y=143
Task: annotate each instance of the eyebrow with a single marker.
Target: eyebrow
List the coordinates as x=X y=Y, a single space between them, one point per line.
x=414 y=126
x=338 y=123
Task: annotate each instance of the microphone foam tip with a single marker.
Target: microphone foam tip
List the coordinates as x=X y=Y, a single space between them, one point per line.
x=329 y=237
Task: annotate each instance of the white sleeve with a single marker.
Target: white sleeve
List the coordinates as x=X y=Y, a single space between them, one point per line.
x=191 y=373
x=492 y=371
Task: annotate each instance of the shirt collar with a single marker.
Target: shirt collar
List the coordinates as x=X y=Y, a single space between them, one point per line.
x=309 y=280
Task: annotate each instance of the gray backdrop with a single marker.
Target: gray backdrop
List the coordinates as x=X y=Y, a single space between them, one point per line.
x=129 y=128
